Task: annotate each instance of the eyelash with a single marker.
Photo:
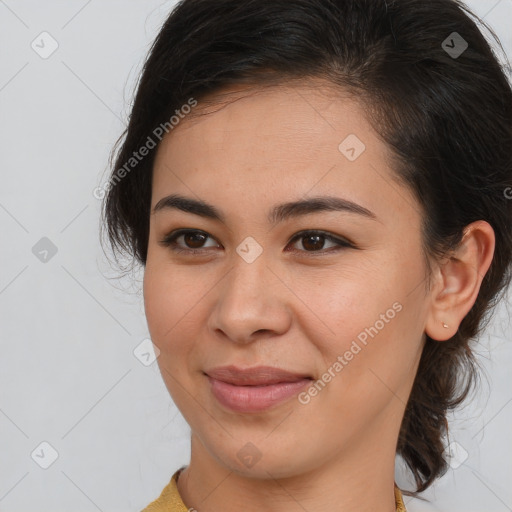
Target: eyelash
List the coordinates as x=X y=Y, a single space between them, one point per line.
x=170 y=241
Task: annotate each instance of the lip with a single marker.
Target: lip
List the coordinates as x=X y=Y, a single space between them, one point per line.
x=254 y=389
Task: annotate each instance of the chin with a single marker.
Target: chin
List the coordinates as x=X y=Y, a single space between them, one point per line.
x=265 y=459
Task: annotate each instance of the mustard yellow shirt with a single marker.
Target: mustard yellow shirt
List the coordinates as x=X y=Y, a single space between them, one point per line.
x=170 y=499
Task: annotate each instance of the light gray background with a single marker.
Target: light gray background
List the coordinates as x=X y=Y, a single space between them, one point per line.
x=68 y=373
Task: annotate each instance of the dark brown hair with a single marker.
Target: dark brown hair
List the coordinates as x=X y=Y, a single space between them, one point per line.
x=444 y=109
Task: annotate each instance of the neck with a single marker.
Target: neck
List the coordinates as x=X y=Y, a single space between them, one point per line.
x=359 y=479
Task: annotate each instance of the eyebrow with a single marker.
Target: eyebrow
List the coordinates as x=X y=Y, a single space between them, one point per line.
x=279 y=213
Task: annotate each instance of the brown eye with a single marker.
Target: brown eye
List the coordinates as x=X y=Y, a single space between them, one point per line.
x=189 y=240
x=194 y=240
x=315 y=241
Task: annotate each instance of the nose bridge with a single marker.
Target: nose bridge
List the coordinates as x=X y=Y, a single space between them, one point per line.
x=249 y=300
x=249 y=276
x=247 y=287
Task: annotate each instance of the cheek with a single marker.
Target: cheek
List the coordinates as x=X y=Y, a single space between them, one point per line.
x=171 y=297
x=366 y=325
x=344 y=302
x=171 y=308
x=159 y=303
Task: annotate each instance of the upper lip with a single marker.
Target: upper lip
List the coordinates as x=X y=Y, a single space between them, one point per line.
x=256 y=376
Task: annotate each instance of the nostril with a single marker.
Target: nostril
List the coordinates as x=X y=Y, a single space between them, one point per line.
x=263 y=331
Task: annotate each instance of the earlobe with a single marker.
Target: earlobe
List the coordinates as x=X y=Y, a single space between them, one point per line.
x=459 y=281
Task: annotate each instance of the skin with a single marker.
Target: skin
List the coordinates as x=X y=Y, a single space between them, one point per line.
x=298 y=310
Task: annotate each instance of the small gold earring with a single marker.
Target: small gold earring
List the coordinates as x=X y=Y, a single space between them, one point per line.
x=445 y=326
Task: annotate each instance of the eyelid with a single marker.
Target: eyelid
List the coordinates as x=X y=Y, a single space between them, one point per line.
x=341 y=242
x=170 y=239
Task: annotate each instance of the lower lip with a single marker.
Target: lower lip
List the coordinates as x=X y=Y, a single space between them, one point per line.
x=254 y=398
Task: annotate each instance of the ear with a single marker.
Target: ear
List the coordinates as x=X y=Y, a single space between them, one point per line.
x=458 y=280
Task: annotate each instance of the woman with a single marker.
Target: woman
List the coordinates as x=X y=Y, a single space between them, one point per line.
x=319 y=193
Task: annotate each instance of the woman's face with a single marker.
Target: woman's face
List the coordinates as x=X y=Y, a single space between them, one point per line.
x=307 y=259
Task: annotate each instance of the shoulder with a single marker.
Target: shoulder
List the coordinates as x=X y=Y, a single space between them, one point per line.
x=399 y=502
x=169 y=499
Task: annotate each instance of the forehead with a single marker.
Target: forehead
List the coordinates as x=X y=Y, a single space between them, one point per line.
x=282 y=143
x=303 y=108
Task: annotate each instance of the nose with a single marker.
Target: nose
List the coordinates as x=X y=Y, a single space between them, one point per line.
x=251 y=303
